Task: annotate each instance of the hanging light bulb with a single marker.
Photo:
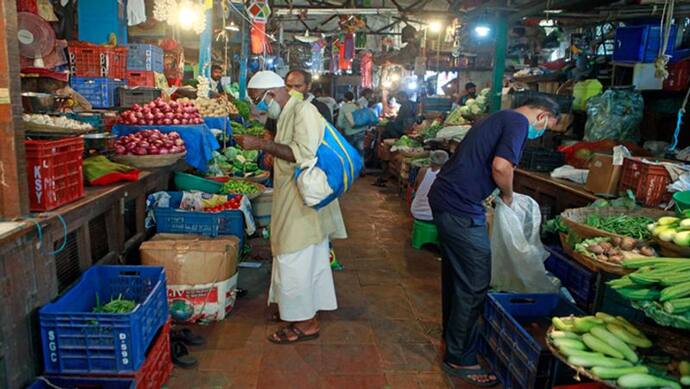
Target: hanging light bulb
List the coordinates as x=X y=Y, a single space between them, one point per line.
x=232 y=26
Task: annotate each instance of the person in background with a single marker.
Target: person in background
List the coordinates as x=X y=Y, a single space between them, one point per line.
x=216 y=86
x=328 y=100
x=300 y=80
x=345 y=122
x=364 y=97
x=420 y=208
x=470 y=93
x=484 y=160
x=407 y=114
x=301 y=280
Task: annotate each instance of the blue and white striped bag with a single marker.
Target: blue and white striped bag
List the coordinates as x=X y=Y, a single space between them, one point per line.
x=331 y=173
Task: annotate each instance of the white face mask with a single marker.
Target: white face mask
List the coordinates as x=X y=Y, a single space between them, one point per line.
x=274 y=110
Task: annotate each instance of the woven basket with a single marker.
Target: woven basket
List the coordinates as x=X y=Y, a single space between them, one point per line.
x=149 y=161
x=581 y=372
x=567 y=248
x=575 y=219
x=44 y=129
x=669 y=249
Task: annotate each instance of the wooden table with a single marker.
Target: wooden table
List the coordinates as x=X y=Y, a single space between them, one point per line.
x=554 y=195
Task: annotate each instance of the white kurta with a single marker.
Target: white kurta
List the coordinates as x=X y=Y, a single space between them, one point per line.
x=302 y=283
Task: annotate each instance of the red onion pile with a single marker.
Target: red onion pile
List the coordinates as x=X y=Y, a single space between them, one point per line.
x=150 y=142
x=161 y=113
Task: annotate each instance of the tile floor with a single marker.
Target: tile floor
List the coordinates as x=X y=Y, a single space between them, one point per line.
x=385 y=333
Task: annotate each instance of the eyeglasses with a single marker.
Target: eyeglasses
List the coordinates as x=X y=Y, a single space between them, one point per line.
x=262 y=97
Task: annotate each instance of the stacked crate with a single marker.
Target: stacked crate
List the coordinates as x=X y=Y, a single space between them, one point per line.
x=144 y=64
x=97 y=71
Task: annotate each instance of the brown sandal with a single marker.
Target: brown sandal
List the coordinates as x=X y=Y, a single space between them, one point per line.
x=284 y=338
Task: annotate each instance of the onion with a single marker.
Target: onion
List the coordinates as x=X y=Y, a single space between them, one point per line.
x=173 y=135
x=164 y=151
x=154 y=150
x=140 y=151
x=176 y=121
x=131 y=145
x=119 y=150
x=144 y=144
x=179 y=142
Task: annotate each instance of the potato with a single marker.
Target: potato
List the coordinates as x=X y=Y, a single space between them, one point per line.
x=616 y=241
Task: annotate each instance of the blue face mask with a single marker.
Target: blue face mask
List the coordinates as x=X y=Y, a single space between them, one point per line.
x=534 y=133
x=262 y=106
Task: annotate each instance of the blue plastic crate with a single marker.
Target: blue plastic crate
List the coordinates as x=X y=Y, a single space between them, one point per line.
x=145 y=58
x=100 y=92
x=640 y=43
x=203 y=223
x=514 y=328
x=78 y=341
x=580 y=281
x=84 y=382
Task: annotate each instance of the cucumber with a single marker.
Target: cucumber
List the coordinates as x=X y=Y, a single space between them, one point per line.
x=627 y=337
x=585 y=324
x=637 y=380
x=607 y=373
x=589 y=361
x=563 y=334
x=605 y=316
x=569 y=343
x=629 y=326
x=684 y=368
x=685 y=380
x=616 y=343
x=599 y=345
x=677 y=306
x=674 y=292
x=562 y=324
x=569 y=352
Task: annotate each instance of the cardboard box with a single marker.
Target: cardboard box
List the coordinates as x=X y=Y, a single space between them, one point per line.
x=192 y=259
x=202 y=303
x=603 y=175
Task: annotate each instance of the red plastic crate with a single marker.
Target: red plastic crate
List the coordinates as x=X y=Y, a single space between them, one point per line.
x=141 y=78
x=54 y=171
x=158 y=365
x=678 y=76
x=174 y=81
x=647 y=181
x=97 y=61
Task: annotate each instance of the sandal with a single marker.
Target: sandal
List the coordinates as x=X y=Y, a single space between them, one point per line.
x=470 y=375
x=180 y=355
x=283 y=337
x=186 y=336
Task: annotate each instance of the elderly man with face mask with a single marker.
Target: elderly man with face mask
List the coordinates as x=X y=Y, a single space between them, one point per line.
x=302 y=282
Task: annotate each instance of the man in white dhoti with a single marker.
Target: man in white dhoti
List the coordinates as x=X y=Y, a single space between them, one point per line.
x=302 y=281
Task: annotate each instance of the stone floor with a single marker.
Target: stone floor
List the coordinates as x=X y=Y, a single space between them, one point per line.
x=385 y=333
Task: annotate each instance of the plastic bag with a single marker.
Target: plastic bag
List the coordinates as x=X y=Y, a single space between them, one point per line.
x=364 y=117
x=615 y=114
x=517 y=254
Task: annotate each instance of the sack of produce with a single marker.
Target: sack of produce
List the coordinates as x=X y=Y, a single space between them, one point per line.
x=615 y=114
x=517 y=254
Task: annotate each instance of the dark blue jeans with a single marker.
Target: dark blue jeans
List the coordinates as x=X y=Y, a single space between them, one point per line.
x=466 y=274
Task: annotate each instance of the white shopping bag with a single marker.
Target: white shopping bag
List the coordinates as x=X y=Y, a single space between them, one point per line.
x=517 y=254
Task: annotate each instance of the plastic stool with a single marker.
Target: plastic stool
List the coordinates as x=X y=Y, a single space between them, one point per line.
x=422 y=233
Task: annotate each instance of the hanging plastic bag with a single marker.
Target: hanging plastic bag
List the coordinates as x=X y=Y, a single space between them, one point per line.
x=616 y=115
x=517 y=254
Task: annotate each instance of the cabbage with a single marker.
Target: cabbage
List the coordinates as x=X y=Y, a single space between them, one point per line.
x=485 y=92
x=465 y=110
x=470 y=102
x=476 y=109
x=481 y=100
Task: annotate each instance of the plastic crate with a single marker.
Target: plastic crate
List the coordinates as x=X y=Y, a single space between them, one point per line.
x=640 y=43
x=678 y=76
x=565 y=102
x=97 y=61
x=145 y=57
x=203 y=223
x=141 y=78
x=100 y=92
x=84 y=382
x=129 y=97
x=514 y=329
x=580 y=281
x=78 y=341
x=647 y=181
x=54 y=169
x=541 y=160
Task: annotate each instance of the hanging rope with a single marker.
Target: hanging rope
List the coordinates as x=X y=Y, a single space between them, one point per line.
x=679 y=121
x=665 y=27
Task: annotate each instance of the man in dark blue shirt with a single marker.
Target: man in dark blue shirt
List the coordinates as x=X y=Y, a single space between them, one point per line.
x=484 y=160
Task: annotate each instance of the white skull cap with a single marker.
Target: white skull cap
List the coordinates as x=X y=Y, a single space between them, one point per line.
x=265 y=79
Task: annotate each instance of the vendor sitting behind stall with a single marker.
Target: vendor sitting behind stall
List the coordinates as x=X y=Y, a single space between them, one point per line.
x=420 y=208
x=470 y=93
x=216 y=85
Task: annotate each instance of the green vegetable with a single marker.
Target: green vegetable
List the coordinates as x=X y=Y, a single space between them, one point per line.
x=563 y=324
x=599 y=345
x=685 y=380
x=243 y=108
x=585 y=324
x=639 y=294
x=118 y=305
x=569 y=352
x=633 y=226
x=607 y=373
x=406 y=141
x=627 y=337
x=676 y=279
x=628 y=326
x=563 y=334
x=616 y=343
x=591 y=361
x=569 y=343
x=637 y=380
x=684 y=368
x=636 y=263
x=675 y=291
x=682 y=238
x=555 y=226
x=239 y=187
